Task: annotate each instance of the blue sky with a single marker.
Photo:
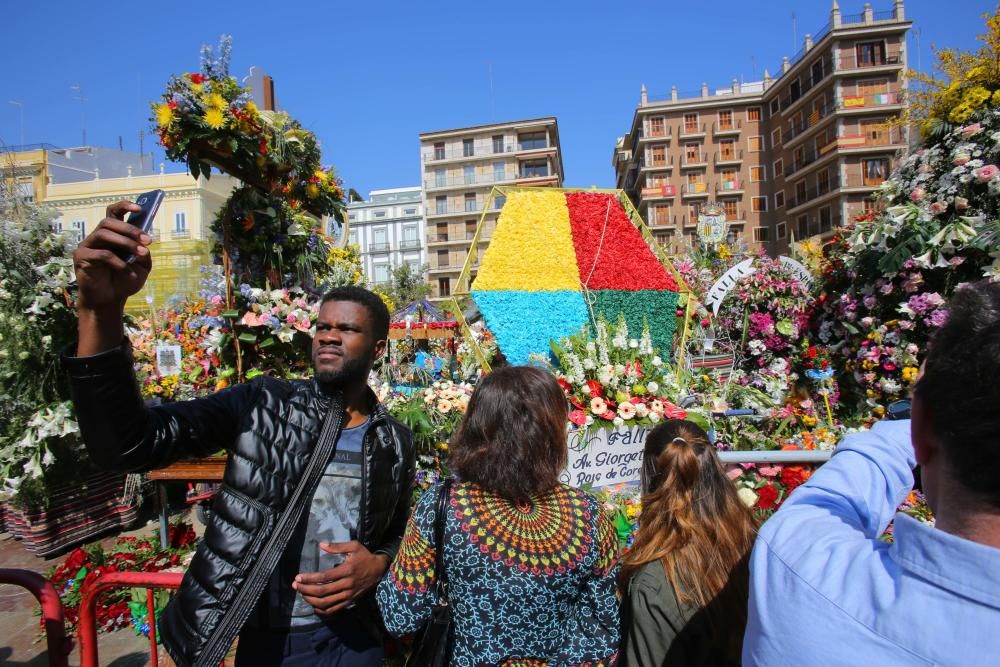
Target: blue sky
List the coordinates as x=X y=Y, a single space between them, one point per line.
x=368 y=77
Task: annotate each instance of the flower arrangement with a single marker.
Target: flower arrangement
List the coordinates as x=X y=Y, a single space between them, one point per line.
x=573 y=255
x=432 y=414
x=129 y=554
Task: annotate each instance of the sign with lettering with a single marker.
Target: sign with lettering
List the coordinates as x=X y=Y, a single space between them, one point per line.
x=724 y=284
x=796 y=268
x=605 y=457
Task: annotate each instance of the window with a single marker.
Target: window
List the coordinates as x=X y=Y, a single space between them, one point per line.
x=729 y=180
x=781 y=230
x=409 y=211
x=535 y=169
x=352 y=238
x=755 y=143
x=692 y=152
x=760 y=234
x=656 y=180
x=468 y=147
x=658 y=156
x=440 y=178
x=794 y=91
x=657 y=126
x=352 y=216
x=25 y=190
x=380 y=273
x=661 y=214
x=800 y=193
x=874 y=172
x=778 y=168
x=442 y=231
x=801 y=227
x=727 y=150
x=779 y=199
x=753 y=114
x=444 y=286
x=823 y=182
x=870 y=54
x=180 y=221
x=468 y=174
x=441 y=204
x=470 y=229
x=729 y=206
x=757 y=174
x=758 y=204
x=726 y=120
x=379 y=214
x=439 y=150
x=410 y=239
x=442 y=258
x=774 y=108
x=532 y=140
x=817 y=71
x=776 y=137
x=690 y=122
x=693 y=211
x=79 y=228
x=498 y=143
x=470 y=201
x=499 y=201
x=694 y=177
x=499 y=171
x=825 y=219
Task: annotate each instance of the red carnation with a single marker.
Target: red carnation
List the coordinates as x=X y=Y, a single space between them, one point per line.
x=596 y=389
x=767 y=497
x=196 y=78
x=566 y=386
x=794 y=476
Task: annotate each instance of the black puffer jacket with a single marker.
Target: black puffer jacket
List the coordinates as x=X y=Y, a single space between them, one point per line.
x=271 y=428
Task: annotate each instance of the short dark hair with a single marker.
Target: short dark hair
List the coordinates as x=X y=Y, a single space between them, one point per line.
x=513 y=438
x=377 y=310
x=960 y=388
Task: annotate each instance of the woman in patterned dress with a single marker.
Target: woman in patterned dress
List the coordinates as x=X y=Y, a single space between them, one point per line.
x=686 y=577
x=531 y=563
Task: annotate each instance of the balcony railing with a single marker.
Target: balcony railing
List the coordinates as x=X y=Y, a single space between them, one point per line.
x=729 y=187
x=478 y=179
x=686 y=220
x=667 y=162
x=484 y=150
x=852 y=61
x=409 y=244
x=378 y=247
x=525 y=175
x=887 y=137
x=659 y=219
x=695 y=190
x=659 y=133
x=800 y=198
x=854 y=180
x=814 y=117
x=696 y=130
x=180 y=234
x=864 y=101
x=452 y=210
x=806 y=85
x=732 y=127
x=658 y=191
x=729 y=156
x=694 y=161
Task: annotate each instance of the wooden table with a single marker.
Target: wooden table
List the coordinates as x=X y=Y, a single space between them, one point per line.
x=208 y=469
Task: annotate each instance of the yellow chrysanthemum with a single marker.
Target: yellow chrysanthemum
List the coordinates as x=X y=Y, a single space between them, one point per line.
x=251 y=108
x=164 y=115
x=975 y=97
x=215 y=101
x=320 y=174
x=214 y=118
x=312 y=191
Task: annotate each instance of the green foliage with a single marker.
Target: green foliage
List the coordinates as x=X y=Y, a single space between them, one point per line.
x=408 y=285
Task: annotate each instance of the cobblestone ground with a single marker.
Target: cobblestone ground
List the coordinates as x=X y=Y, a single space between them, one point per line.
x=21 y=644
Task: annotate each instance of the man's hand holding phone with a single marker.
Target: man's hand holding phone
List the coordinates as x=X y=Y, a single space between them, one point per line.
x=106 y=278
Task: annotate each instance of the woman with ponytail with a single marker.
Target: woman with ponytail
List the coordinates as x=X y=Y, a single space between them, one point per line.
x=685 y=581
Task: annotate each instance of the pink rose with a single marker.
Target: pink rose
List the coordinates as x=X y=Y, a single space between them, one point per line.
x=916 y=194
x=986 y=173
x=938 y=207
x=971 y=130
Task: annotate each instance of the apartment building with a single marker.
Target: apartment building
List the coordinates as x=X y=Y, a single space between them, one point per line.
x=795 y=155
x=388 y=230
x=459 y=169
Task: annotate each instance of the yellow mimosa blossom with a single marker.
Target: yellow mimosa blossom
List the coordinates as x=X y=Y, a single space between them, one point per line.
x=320 y=174
x=164 y=115
x=251 y=108
x=214 y=118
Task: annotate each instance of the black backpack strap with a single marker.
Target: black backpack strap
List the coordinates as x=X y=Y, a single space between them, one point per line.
x=442 y=516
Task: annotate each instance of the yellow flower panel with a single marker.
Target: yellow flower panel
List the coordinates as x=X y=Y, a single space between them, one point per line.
x=532 y=246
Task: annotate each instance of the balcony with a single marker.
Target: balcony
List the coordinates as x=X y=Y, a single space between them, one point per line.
x=658 y=192
x=665 y=163
x=410 y=244
x=732 y=127
x=801 y=198
x=689 y=221
x=475 y=151
x=661 y=134
x=453 y=210
x=657 y=219
x=730 y=157
x=868 y=61
x=539 y=175
x=695 y=190
x=178 y=234
x=460 y=181
x=732 y=187
x=694 y=161
x=807 y=85
x=691 y=131
x=378 y=247
x=872 y=139
x=797 y=129
x=852 y=102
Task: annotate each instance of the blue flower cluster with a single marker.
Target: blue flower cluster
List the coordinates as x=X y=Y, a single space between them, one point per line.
x=525 y=322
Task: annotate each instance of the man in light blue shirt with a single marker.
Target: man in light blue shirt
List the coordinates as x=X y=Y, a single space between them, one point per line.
x=826 y=591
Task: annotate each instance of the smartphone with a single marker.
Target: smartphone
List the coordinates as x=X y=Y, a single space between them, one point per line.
x=150 y=204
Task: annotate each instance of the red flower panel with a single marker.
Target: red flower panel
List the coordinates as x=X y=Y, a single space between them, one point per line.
x=622 y=260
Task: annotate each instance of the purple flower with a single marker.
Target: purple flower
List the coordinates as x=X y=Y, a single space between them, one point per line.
x=937 y=318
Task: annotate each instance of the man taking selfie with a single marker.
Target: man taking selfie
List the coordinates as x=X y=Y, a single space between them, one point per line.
x=316 y=490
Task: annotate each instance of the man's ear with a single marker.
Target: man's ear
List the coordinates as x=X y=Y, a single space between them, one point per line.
x=925 y=447
x=380 y=347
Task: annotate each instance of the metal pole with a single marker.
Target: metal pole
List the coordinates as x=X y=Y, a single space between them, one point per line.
x=55 y=627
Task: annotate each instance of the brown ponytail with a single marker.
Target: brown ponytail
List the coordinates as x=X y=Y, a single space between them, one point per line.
x=694 y=523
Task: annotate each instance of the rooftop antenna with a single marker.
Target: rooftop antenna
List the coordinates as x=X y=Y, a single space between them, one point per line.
x=78 y=89
x=493 y=108
x=916 y=36
x=795 y=33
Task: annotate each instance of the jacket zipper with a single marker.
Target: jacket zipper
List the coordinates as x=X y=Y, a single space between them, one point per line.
x=242 y=606
x=370 y=435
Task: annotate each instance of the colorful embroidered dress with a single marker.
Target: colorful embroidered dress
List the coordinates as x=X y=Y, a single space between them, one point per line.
x=530 y=583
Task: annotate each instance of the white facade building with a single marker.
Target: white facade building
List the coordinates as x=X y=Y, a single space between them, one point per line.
x=389 y=230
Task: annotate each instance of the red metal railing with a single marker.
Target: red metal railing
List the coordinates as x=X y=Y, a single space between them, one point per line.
x=55 y=627
x=88 y=614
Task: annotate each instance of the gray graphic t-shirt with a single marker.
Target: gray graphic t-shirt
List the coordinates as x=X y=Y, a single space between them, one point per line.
x=333 y=517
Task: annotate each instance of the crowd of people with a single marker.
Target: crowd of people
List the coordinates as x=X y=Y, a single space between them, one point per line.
x=313 y=552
